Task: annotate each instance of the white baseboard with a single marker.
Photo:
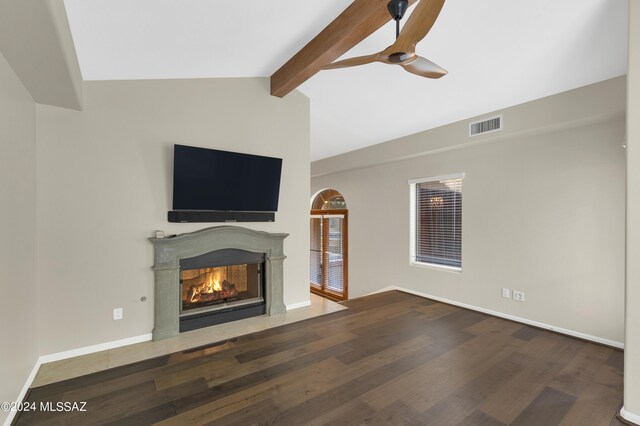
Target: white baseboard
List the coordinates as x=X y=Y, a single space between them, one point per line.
x=298 y=305
x=94 y=348
x=44 y=359
x=560 y=330
x=629 y=416
x=23 y=392
x=389 y=288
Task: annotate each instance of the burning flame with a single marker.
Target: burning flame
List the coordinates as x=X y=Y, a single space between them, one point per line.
x=213 y=285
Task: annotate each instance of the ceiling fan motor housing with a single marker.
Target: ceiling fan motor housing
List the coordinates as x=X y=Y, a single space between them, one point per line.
x=397 y=8
x=398 y=57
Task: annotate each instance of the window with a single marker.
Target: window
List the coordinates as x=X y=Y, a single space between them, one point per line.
x=329 y=199
x=436 y=221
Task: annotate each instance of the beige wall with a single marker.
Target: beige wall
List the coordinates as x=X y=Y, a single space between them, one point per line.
x=18 y=287
x=543 y=211
x=632 y=349
x=104 y=179
x=36 y=40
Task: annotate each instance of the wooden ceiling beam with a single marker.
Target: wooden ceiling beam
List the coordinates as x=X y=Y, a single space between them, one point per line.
x=358 y=21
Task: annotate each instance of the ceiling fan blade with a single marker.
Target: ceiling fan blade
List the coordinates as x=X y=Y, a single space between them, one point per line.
x=352 y=62
x=424 y=68
x=418 y=25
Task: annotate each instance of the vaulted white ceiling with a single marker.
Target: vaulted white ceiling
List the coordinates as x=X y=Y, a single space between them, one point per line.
x=498 y=53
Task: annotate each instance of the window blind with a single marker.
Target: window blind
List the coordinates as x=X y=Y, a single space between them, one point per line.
x=436 y=221
x=316 y=251
x=334 y=258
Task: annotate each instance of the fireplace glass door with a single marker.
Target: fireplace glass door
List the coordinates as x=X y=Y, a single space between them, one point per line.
x=223 y=286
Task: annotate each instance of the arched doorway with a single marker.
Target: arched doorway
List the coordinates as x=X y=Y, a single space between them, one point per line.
x=329 y=245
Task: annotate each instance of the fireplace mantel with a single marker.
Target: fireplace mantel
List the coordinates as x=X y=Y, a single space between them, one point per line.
x=169 y=251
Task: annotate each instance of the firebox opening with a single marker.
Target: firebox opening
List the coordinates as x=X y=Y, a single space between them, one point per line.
x=220 y=287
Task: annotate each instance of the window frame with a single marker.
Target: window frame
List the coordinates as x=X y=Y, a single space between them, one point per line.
x=413 y=223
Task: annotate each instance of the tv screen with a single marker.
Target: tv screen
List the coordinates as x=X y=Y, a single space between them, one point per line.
x=209 y=179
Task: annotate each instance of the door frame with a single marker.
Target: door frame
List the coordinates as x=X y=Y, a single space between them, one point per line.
x=345 y=255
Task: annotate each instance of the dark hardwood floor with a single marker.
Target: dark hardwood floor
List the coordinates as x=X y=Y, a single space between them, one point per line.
x=391 y=359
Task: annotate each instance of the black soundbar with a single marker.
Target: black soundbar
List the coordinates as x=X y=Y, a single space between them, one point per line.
x=186 y=216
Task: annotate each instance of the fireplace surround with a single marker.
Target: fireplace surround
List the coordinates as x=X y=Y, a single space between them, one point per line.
x=227 y=270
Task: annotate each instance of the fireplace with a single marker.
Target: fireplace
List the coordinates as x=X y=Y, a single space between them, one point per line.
x=216 y=275
x=221 y=286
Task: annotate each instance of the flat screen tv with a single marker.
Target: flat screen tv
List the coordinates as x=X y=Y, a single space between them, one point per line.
x=213 y=180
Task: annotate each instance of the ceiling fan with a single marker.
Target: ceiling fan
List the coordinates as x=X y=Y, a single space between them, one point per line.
x=403 y=51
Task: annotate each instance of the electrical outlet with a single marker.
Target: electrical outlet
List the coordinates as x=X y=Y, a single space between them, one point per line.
x=117 y=314
x=506 y=293
x=518 y=295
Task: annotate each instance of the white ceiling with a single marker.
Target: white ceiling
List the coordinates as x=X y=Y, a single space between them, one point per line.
x=498 y=53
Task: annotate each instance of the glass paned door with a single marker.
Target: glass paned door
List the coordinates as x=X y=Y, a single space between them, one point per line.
x=329 y=253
